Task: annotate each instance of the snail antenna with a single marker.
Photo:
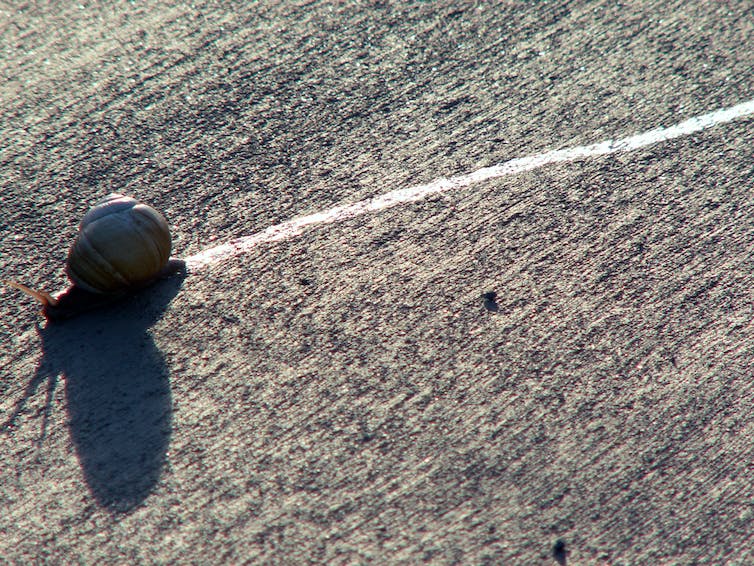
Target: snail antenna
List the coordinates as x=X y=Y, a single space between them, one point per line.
x=42 y=296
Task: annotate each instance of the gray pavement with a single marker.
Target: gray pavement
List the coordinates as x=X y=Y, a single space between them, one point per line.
x=347 y=396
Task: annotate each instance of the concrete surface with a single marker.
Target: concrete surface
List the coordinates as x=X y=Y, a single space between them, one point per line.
x=348 y=396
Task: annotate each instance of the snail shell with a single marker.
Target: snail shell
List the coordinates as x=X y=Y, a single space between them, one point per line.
x=122 y=244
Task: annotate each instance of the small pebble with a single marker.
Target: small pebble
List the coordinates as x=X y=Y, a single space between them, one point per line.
x=489 y=301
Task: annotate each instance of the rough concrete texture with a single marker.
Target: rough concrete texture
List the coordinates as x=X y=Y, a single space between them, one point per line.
x=348 y=396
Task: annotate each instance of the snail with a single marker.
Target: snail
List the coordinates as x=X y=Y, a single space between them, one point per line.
x=122 y=245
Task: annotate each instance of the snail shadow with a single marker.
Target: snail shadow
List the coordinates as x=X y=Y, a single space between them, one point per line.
x=117 y=393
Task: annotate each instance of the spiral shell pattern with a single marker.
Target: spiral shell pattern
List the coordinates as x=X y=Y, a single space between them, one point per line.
x=122 y=244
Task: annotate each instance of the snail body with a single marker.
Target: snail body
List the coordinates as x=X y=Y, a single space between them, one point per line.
x=122 y=245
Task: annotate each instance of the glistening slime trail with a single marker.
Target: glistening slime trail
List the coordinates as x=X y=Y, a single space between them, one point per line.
x=292 y=228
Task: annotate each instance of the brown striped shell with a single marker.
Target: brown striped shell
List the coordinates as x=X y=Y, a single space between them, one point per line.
x=122 y=245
